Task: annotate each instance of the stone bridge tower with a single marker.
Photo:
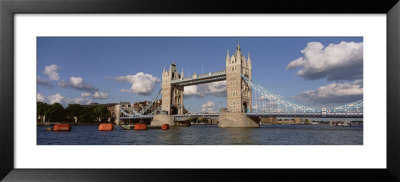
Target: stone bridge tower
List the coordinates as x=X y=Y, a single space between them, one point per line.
x=172 y=95
x=238 y=92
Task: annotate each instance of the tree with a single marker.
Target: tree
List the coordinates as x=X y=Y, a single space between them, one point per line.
x=101 y=112
x=87 y=115
x=56 y=113
x=42 y=110
x=73 y=110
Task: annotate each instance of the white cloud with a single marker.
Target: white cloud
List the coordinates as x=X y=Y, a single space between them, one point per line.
x=334 y=93
x=125 y=90
x=141 y=83
x=80 y=100
x=100 y=95
x=343 y=61
x=77 y=83
x=85 y=94
x=208 y=107
x=52 y=72
x=44 y=82
x=95 y=95
x=215 y=88
x=56 y=98
x=40 y=98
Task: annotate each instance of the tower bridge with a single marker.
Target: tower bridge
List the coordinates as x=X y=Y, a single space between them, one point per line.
x=247 y=100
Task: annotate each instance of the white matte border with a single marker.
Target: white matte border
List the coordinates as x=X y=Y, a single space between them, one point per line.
x=372 y=154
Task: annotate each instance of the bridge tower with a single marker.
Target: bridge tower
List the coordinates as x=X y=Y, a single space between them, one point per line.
x=238 y=92
x=172 y=95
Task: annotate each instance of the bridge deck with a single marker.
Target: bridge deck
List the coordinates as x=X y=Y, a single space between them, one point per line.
x=200 y=79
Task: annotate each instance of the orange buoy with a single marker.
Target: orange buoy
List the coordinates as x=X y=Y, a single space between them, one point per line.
x=105 y=127
x=62 y=127
x=140 y=126
x=165 y=127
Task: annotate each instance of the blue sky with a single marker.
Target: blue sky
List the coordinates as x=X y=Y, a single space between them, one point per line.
x=100 y=67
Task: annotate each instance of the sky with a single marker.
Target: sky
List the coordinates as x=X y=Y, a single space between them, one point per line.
x=311 y=71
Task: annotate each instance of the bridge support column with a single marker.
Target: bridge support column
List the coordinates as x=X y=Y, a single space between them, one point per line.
x=161 y=119
x=237 y=120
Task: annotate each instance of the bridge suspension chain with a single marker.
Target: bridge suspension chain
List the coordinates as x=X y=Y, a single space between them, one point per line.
x=144 y=110
x=357 y=106
x=274 y=98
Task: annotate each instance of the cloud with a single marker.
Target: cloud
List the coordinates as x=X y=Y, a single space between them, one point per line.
x=215 y=88
x=52 y=72
x=208 y=107
x=40 y=98
x=44 y=82
x=141 y=83
x=334 y=93
x=125 y=90
x=100 y=95
x=343 y=61
x=58 y=98
x=85 y=94
x=80 y=100
x=77 y=83
x=95 y=95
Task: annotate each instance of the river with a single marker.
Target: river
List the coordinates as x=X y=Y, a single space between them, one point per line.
x=321 y=134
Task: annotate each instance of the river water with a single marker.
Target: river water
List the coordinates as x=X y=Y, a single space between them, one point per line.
x=207 y=135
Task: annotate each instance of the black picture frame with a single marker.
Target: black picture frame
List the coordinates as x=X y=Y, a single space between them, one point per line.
x=8 y=8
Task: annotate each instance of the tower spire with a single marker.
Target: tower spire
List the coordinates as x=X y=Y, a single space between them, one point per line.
x=248 y=60
x=238 y=53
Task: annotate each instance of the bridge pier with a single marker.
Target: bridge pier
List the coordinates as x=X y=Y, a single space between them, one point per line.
x=161 y=119
x=237 y=120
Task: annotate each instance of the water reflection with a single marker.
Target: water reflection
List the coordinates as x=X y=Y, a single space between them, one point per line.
x=241 y=136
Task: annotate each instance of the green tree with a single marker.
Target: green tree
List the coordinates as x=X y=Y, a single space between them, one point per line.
x=57 y=113
x=73 y=110
x=42 y=110
x=87 y=115
x=101 y=112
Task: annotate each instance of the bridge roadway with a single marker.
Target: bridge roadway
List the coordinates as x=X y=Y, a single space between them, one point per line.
x=272 y=114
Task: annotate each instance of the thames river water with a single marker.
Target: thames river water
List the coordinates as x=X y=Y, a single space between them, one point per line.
x=207 y=135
